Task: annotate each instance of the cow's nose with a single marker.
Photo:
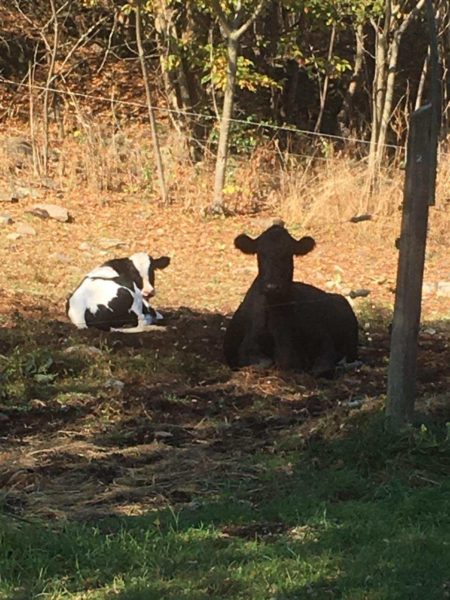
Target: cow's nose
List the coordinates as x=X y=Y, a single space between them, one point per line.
x=271 y=287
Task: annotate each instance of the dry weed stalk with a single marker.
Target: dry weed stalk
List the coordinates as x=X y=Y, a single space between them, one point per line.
x=106 y=156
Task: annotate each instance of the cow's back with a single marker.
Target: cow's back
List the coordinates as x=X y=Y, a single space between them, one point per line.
x=318 y=314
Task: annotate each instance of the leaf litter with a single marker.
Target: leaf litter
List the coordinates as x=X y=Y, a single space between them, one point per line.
x=175 y=434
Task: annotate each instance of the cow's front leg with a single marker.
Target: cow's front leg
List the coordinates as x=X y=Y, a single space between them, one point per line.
x=285 y=355
x=252 y=353
x=324 y=364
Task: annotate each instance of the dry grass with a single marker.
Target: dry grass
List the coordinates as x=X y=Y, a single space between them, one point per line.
x=106 y=158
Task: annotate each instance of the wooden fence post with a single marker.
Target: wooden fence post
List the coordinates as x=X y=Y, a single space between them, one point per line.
x=419 y=193
x=405 y=325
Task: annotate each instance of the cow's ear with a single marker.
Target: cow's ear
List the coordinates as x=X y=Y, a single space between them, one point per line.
x=161 y=263
x=304 y=245
x=245 y=244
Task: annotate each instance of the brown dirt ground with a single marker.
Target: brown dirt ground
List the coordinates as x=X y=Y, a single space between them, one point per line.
x=176 y=439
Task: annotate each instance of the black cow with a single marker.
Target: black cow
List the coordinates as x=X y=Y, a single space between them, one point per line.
x=291 y=325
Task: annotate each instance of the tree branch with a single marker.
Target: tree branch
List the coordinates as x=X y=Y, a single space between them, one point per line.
x=222 y=18
x=243 y=28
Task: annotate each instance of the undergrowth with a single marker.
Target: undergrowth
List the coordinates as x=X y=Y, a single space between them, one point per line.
x=250 y=487
x=322 y=185
x=356 y=514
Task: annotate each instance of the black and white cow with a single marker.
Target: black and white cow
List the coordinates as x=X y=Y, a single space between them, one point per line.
x=115 y=295
x=285 y=323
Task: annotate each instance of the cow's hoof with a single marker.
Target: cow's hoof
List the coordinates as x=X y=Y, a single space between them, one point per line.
x=257 y=363
x=263 y=363
x=323 y=370
x=349 y=366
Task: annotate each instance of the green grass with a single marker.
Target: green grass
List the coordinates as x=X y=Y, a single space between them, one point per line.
x=338 y=509
x=355 y=516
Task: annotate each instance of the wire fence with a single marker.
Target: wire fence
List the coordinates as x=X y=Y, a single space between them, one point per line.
x=197 y=115
x=261 y=125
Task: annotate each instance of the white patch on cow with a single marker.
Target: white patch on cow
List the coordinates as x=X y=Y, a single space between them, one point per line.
x=150 y=319
x=103 y=273
x=137 y=303
x=141 y=261
x=89 y=295
x=98 y=289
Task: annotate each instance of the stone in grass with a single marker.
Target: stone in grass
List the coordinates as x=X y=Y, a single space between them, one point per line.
x=360 y=218
x=61 y=257
x=25 y=229
x=443 y=289
x=51 y=211
x=7 y=197
x=83 y=349
x=13 y=236
x=6 y=220
x=21 y=192
x=114 y=384
x=429 y=287
x=85 y=246
x=107 y=244
x=362 y=293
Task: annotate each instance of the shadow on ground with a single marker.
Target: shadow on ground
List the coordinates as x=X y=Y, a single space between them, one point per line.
x=167 y=472
x=96 y=424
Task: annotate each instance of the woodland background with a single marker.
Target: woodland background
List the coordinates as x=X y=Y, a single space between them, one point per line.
x=140 y=467
x=351 y=70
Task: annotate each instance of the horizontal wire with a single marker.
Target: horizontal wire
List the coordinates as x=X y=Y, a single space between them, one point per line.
x=186 y=113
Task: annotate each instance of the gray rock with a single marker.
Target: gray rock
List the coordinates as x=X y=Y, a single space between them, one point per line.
x=7 y=197
x=354 y=402
x=20 y=192
x=429 y=288
x=24 y=229
x=360 y=218
x=6 y=220
x=85 y=246
x=50 y=183
x=60 y=257
x=106 y=243
x=429 y=331
x=443 y=289
x=84 y=349
x=51 y=211
x=19 y=146
x=362 y=293
x=114 y=384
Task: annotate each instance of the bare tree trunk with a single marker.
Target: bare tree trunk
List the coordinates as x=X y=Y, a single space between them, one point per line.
x=443 y=26
x=50 y=73
x=379 y=86
x=390 y=82
x=386 y=59
x=324 y=91
x=175 y=80
x=34 y=146
x=164 y=50
x=345 y=116
x=227 y=111
x=422 y=81
x=233 y=31
x=151 y=115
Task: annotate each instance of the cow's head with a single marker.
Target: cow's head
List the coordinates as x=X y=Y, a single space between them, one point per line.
x=146 y=266
x=275 y=249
